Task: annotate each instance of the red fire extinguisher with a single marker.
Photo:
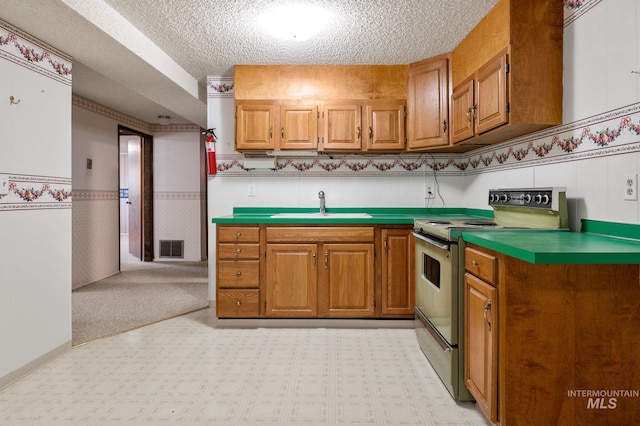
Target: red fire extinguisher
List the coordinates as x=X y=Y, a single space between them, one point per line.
x=210 y=145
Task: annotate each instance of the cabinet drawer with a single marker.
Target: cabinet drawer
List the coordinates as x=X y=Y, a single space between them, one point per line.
x=238 y=303
x=239 y=274
x=238 y=251
x=314 y=234
x=239 y=234
x=481 y=265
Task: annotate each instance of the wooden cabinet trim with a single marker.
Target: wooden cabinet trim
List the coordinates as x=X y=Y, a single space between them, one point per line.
x=283 y=234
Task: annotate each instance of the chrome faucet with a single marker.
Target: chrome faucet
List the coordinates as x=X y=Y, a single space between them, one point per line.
x=322 y=206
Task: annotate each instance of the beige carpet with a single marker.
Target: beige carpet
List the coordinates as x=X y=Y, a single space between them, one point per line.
x=143 y=293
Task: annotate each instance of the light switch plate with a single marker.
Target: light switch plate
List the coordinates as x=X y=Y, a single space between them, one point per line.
x=4 y=184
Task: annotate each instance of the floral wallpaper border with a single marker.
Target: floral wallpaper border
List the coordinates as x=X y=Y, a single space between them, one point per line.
x=25 y=50
x=36 y=192
x=220 y=87
x=610 y=133
x=573 y=9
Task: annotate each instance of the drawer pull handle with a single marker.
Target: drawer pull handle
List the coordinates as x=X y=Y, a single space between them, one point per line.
x=238 y=274
x=474 y=263
x=237 y=303
x=487 y=307
x=238 y=251
x=237 y=235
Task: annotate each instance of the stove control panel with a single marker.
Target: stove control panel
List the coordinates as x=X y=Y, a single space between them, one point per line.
x=544 y=198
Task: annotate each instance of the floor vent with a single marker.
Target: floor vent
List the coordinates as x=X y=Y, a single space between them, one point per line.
x=172 y=248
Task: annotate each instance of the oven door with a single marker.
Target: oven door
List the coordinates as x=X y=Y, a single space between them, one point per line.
x=437 y=284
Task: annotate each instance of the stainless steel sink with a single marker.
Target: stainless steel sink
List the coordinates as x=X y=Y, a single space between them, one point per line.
x=318 y=215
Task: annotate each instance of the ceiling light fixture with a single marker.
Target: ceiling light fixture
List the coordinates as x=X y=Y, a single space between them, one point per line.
x=164 y=119
x=296 y=22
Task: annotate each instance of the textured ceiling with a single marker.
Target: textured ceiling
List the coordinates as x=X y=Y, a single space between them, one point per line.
x=118 y=66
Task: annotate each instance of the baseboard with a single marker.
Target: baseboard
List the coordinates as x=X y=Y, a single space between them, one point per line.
x=16 y=375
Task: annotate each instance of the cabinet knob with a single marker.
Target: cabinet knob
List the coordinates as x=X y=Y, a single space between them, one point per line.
x=237 y=235
x=238 y=251
x=237 y=303
x=238 y=274
x=474 y=263
x=358 y=131
x=282 y=133
x=444 y=126
x=370 y=133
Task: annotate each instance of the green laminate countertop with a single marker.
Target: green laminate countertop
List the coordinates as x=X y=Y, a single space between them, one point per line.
x=378 y=215
x=563 y=247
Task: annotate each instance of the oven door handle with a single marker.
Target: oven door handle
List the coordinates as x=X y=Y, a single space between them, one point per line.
x=427 y=325
x=438 y=244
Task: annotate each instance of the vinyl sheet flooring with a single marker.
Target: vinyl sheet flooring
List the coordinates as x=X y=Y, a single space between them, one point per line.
x=188 y=370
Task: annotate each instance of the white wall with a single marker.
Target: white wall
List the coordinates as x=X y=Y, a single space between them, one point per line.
x=177 y=195
x=35 y=254
x=95 y=203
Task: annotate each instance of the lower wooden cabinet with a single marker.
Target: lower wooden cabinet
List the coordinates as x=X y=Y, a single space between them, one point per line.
x=238 y=303
x=314 y=271
x=291 y=282
x=481 y=330
x=481 y=350
x=321 y=279
x=398 y=272
x=238 y=271
x=553 y=338
x=346 y=287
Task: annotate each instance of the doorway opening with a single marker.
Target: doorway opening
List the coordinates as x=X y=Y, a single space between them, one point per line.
x=136 y=194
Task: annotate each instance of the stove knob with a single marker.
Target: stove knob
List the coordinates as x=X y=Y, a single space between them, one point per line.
x=527 y=198
x=545 y=199
x=504 y=198
x=538 y=199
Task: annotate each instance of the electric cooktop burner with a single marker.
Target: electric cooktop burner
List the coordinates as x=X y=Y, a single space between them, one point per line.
x=439 y=222
x=479 y=223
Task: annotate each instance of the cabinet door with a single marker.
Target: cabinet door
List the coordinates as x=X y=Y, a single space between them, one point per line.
x=462 y=112
x=291 y=283
x=298 y=127
x=255 y=127
x=397 y=272
x=481 y=339
x=491 y=95
x=427 y=104
x=346 y=283
x=384 y=127
x=342 y=127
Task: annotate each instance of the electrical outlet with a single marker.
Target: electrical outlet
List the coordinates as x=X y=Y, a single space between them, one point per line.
x=429 y=191
x=251 y=190
x=631 y=187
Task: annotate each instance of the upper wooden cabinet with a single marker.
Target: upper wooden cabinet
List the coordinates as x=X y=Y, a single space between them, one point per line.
x=298 y=126
x=369 y=126
x=255 y=126
x=507 y=74
x=330 y=108
x=383 y=125
x=428 y=104
x=276 y=125
x=480 y=103
x=341 y=127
